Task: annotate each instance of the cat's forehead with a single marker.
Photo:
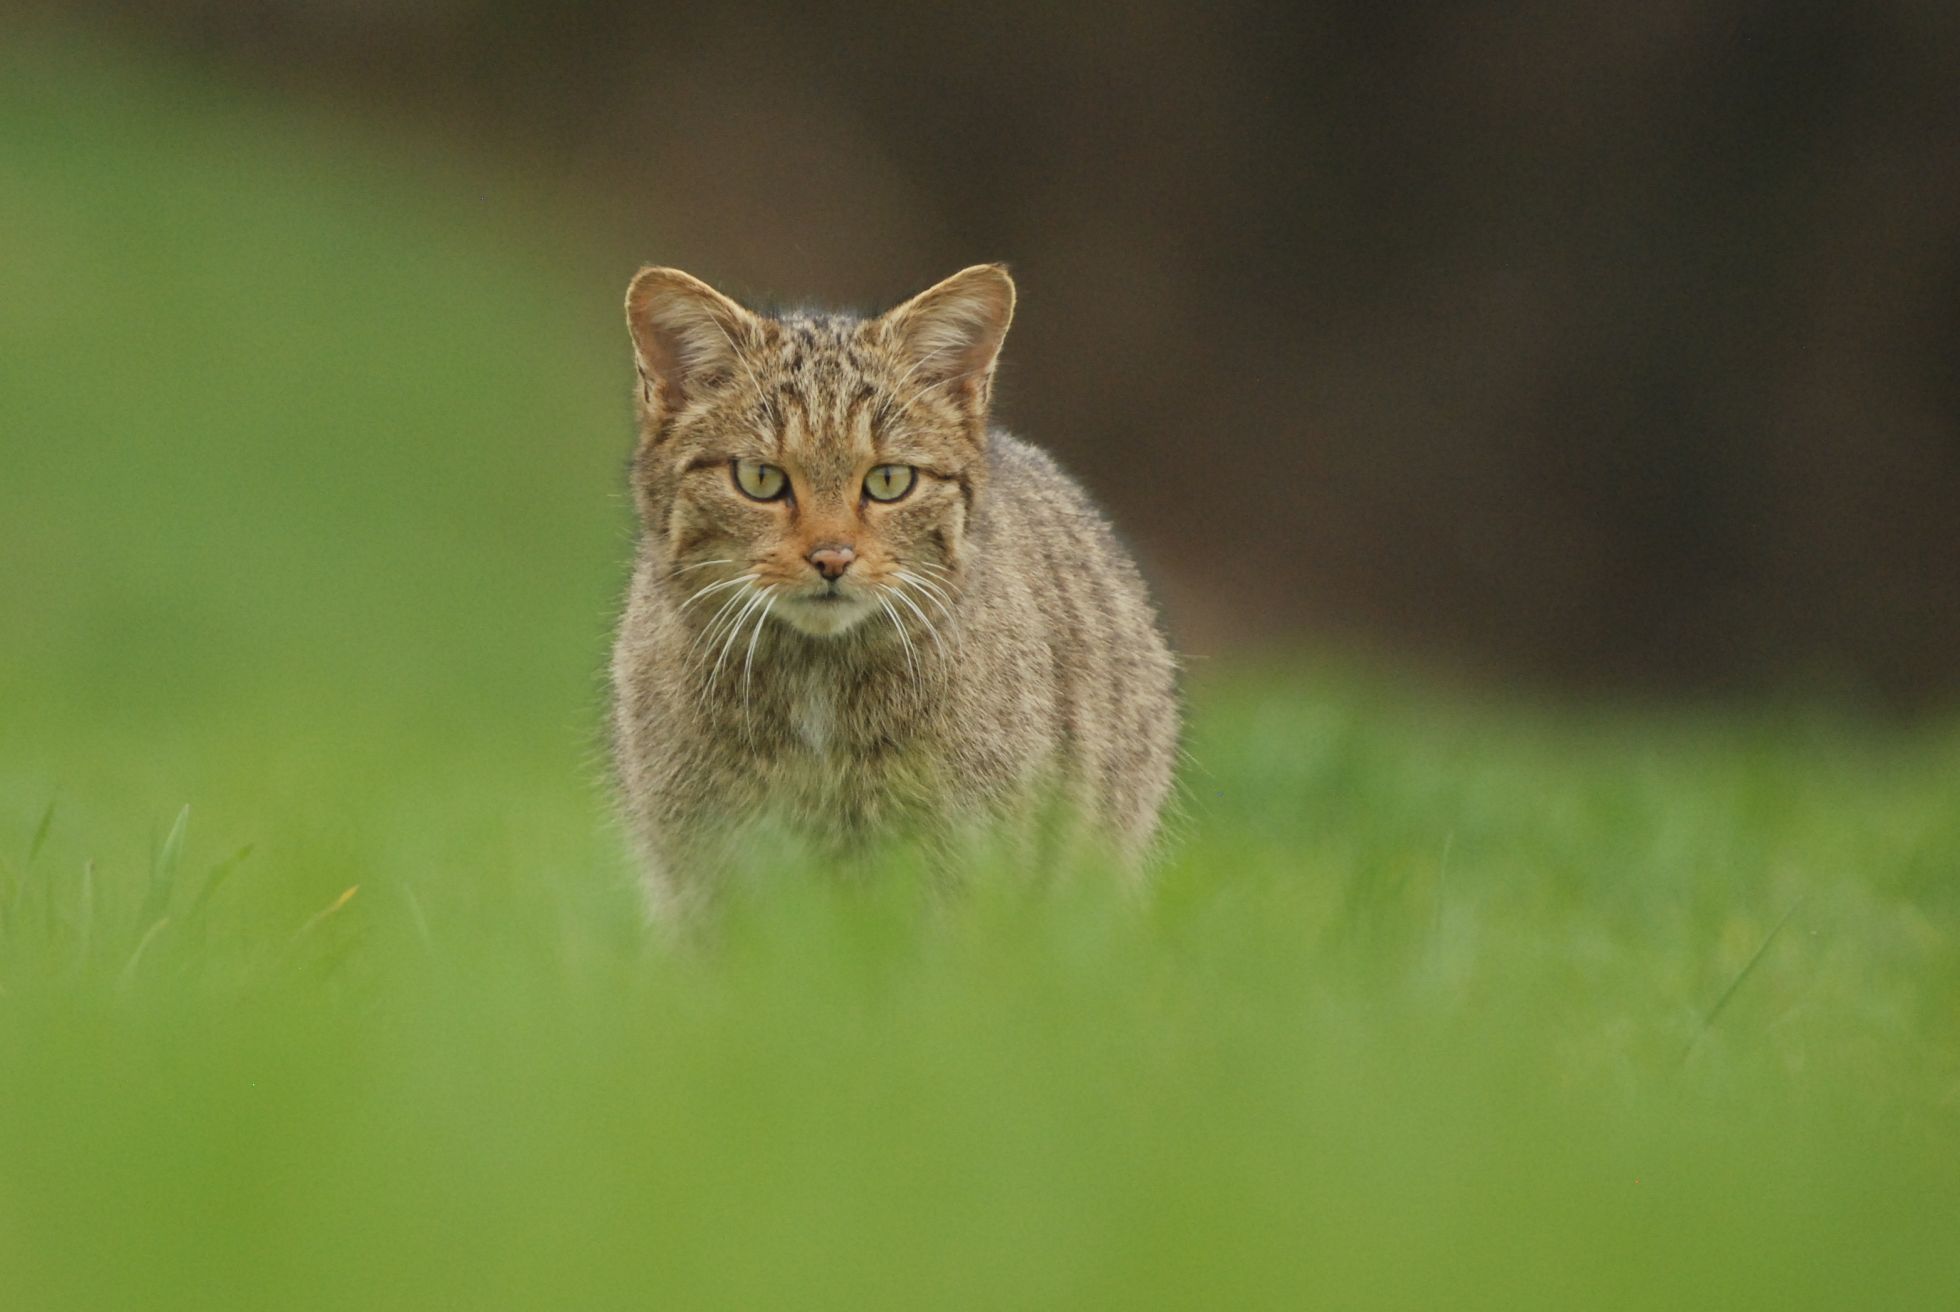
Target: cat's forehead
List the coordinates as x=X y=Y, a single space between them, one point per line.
x=821 y=375
x=814 y=350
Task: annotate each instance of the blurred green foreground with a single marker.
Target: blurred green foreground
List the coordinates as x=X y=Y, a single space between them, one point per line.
x=309 y=518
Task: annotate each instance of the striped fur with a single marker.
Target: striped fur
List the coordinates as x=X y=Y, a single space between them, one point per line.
x=990 y=660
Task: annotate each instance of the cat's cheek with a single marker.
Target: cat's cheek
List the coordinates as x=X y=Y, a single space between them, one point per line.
x=931 y=520
x=699 y=524
x=942 y=533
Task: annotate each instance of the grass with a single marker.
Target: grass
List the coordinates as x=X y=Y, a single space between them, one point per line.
x=309 y=521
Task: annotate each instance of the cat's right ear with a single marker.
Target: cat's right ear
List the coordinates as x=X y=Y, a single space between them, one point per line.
x=686 y=337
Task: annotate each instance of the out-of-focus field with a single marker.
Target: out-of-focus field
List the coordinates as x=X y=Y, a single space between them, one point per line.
x=309 y=519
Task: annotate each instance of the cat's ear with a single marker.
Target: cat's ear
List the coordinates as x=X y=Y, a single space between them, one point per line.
x=685 y=336
x=950 y=334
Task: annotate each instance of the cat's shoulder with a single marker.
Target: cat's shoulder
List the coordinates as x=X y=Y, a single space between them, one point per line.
x=1014 y=461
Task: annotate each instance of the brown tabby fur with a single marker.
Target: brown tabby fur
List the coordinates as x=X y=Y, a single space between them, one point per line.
x=993 y=656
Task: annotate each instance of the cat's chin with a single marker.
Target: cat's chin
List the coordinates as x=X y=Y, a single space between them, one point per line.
x=825 y=616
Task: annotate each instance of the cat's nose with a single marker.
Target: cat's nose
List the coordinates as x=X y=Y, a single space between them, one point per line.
x=832 y=559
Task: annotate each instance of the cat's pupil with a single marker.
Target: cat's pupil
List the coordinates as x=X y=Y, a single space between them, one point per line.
x=889 y=482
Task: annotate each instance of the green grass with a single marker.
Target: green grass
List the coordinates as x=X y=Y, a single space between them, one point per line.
x=309 y=520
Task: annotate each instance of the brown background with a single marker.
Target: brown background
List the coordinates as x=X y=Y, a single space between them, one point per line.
x=1610 y=345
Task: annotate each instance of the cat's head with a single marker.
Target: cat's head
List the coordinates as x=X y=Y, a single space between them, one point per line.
x=822 y=466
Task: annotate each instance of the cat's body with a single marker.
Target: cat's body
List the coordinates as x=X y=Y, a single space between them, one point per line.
x=983 y=662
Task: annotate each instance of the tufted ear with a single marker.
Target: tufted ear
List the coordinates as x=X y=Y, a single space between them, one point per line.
x=685 y=336
x=950 y=334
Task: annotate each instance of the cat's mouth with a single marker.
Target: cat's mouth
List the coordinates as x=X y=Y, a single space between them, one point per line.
x=825 y=611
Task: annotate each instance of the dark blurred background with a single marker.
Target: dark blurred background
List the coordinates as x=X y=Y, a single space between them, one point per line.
x=1609 y=346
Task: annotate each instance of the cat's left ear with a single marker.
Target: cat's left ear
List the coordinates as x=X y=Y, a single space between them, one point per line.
x=950 y=334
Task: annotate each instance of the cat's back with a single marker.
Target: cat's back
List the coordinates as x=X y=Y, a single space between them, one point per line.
x=1087 y=649
x=1043 y=523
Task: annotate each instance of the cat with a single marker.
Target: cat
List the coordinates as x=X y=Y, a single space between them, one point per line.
x=859 y=612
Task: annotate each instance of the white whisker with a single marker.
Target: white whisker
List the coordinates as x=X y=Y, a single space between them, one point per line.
x=898 y=627
x=939 y=571
x=930 y=591
x=699 y=564
x=714 y=588
x=759 y=595
x=924 y=619
x=748 y=661
x=704 y=640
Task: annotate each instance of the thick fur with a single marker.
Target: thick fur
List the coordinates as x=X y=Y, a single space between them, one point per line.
x=990 y=659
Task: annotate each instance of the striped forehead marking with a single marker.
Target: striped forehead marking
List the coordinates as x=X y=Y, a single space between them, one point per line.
x=823 y=399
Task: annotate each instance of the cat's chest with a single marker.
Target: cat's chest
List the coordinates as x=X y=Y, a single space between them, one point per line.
x=838 y=742
x=848 y=720
x=813 y=720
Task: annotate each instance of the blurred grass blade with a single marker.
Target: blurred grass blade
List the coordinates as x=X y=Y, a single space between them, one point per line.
x=333 y=951
x=216 y=880
x=136 y=957
x=15 y=885
x=41 y=832
x=320 y=917
x=163 y=871
x=1742 y=977
x=418 y=918
x=85 y=916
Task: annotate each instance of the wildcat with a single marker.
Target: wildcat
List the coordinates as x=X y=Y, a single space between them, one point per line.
x=856 y=611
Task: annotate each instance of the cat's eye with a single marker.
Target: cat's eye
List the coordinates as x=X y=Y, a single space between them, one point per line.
x=763 y=482
x=888 y=482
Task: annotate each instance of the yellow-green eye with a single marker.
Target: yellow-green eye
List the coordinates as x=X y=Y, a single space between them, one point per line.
x=763 y=482
x=888 y=482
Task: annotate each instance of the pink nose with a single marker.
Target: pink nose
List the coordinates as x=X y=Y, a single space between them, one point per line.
x=832 y=560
